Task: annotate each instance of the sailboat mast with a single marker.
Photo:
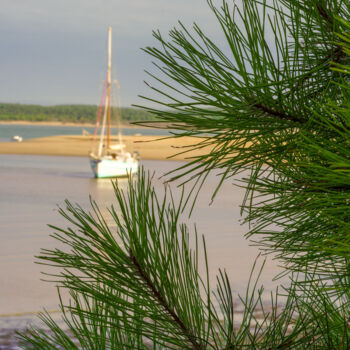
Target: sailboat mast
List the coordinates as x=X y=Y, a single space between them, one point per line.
x=109 y=81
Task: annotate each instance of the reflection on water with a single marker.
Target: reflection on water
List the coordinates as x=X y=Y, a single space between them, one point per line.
x=105 y=184
x=31 y=188
x=103 y=188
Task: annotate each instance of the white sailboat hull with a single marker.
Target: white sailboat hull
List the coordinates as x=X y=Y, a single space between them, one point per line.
x=108 y=167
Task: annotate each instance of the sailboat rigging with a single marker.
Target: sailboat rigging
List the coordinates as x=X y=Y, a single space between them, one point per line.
x=110 y=160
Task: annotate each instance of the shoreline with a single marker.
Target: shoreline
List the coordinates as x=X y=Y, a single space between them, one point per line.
x=148 y=147
x=56 y=123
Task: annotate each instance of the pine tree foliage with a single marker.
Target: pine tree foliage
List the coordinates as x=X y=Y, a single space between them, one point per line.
x=264 y=104
x=135 y=285
x=276 y=102
x=308 y=200
x=139 y=283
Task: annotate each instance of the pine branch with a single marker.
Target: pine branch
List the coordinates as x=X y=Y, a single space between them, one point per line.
x=158 y=296
x=112 y=309
x=276 y=113
x=224 y=85
x=324 y=13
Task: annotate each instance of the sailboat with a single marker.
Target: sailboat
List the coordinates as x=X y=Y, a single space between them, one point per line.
x=110 y=159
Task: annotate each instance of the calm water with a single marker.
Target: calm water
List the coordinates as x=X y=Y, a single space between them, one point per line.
x=31 y=187
x=7 y=131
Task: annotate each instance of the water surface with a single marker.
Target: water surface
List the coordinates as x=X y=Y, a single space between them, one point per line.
x=32 y=187
x=7 y=131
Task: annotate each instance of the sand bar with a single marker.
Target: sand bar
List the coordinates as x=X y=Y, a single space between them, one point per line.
x=124 y=125
x=149 y=147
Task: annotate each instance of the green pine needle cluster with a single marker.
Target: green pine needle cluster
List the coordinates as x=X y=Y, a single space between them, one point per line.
x=135 y=284
x=276 y=102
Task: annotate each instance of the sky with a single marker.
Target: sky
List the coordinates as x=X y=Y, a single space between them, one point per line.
x=54 y=51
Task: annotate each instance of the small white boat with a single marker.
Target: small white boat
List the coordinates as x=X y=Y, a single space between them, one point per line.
x=17 y=138
x=110 y=160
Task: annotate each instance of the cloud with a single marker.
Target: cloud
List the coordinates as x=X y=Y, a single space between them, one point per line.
x=53 y=51
x=86 y=15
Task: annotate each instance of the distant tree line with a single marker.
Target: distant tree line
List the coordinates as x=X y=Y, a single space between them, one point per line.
x=65 y=113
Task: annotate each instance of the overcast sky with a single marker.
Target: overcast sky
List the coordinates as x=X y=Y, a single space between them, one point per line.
x=54 y=51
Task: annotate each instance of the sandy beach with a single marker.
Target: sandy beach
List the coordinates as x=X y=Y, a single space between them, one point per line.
x=124 y=125
x=149 y=147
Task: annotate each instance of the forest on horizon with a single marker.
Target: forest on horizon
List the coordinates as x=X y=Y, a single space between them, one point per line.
x=65 y=113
